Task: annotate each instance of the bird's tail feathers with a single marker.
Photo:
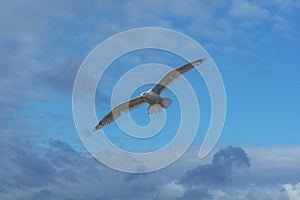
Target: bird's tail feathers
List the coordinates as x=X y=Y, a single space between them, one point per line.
x=155 y=108
x=165 y=102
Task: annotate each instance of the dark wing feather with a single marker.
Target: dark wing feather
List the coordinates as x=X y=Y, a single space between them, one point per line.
x=174 y=74
x=119 y=110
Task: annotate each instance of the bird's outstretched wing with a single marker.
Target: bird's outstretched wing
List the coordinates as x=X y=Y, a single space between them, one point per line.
x=174 y=74
x=119 y=110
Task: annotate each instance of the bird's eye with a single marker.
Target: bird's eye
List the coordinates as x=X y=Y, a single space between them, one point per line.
x=143 y=94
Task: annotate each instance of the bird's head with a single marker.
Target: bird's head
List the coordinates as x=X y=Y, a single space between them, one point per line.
x=143 y=95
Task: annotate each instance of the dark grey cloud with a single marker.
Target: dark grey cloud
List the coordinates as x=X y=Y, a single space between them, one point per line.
x=32 y=166
x=21 y=168
x=58 y=171
x=232 y=158
x=43 y=194
x=42 y=46
x=213 y=180
x=226 y=163
x=131 y=177
x=197 y=193
x=27 y=167
x=60 y=76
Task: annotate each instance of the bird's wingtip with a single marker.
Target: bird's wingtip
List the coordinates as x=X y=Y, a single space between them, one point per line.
x=97 y=127
x=202 y=59
x=197 y=62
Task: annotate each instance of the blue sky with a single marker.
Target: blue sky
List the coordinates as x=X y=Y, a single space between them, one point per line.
x=255 y=45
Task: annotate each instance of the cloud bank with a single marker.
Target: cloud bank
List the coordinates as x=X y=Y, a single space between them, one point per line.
x=58 y=171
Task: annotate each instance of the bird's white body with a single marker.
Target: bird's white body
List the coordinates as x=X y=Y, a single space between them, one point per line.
x=155 y=101
x=151 y=97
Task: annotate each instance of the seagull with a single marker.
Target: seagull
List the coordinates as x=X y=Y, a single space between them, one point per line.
x=152 y=96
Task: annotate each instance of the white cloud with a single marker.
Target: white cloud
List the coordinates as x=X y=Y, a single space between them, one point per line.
x=172 y=190
x=217 y=195
x=292 y=191
x=272 y=163
x=244 y=9
x=283 y=26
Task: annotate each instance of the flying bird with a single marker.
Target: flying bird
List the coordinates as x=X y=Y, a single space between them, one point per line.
x=152 y=96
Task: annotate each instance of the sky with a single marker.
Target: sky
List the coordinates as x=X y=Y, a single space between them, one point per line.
x=255 y=46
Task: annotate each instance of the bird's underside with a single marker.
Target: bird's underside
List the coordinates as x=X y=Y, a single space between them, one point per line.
x=152 y=97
